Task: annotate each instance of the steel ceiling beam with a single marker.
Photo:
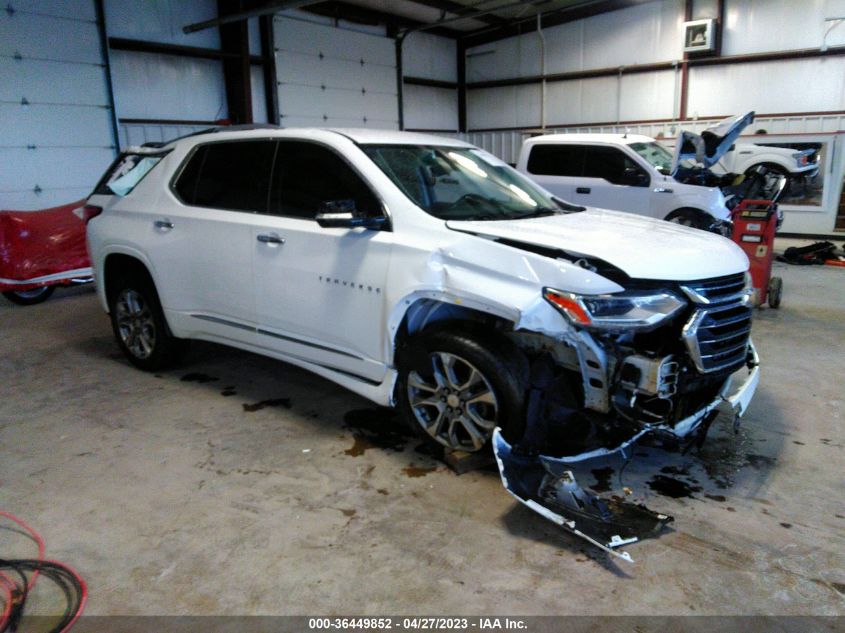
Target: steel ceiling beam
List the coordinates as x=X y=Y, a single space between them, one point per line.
x=550 y=18
x=267 y=9
x=463 y=10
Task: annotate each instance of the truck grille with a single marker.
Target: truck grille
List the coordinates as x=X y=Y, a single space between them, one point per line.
x=717 y=333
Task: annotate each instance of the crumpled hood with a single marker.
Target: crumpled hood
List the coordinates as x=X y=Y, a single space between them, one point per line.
x=644 y=248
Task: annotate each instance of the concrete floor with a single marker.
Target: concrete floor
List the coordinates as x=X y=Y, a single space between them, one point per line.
x=238 y=484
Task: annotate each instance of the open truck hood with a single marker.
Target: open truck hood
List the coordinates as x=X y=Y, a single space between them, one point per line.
x=713 y=143
x=644 y=248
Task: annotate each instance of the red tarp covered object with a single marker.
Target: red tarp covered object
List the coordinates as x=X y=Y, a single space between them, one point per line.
x=42 y=248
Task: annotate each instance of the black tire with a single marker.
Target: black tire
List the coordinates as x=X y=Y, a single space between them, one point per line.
x=503 y=371
x=30 y=297
x=775 y=292
x=690 y=217
x=139 y=326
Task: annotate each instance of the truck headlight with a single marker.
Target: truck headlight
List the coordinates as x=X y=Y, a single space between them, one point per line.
x=610 y=312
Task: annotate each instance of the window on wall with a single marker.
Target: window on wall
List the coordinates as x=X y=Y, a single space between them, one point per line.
x=308 y=175
x=230 y=175
x=556 y=160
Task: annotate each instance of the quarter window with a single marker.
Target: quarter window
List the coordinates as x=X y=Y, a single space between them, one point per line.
x=307 y=175
x=556 y=160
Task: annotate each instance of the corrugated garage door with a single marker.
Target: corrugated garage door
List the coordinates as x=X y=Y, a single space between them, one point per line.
x=56 y=135
x=330 y=77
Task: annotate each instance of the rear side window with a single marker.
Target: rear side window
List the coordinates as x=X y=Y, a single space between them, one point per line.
x=307 y=175
x=126 y=172
x=556 y=160
x=231 y=175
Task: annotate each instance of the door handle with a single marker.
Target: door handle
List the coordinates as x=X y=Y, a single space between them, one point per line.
x=269 y=238
x=582 y=190
x=662 y=190
x=164 y=225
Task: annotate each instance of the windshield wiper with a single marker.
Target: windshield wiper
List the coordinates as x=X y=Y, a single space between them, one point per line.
x=536 y=213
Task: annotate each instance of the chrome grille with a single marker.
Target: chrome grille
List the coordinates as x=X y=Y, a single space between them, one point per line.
x=717 y=333
x=719 y=290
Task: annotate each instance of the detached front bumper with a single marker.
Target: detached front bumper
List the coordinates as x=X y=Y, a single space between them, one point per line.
x=548 y=486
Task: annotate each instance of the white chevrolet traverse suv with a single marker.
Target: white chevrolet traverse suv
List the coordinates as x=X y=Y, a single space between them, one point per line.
x=423 y=273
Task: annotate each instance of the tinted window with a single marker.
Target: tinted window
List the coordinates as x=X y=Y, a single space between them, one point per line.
x=235 y=175
x=306 y=175
x=613 y=165
x=186 y=186
x=556 y=160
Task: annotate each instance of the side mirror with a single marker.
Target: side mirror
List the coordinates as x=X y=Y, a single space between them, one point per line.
x=342 y=214
x=634 y=177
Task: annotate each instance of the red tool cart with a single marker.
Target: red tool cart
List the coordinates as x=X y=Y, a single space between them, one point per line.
x=755 y=223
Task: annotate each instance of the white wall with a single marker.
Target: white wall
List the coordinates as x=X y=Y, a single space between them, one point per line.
x=429 y=56
x=162 y=21
x=155 y=86
x=642 y=34
x=55 y=124
x=651 y=33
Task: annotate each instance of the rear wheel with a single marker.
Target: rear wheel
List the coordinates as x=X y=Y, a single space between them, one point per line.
x=29 y=297
x=139 y=326
x=459 y=387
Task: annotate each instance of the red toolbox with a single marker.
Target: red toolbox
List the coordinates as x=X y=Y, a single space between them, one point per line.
x=755 y=223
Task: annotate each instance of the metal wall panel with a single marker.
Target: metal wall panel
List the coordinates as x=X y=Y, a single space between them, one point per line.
x=65 y=9
x=56 y=134
x=429 y=108
x=259 y=100
x=642 y=34
x=330 y=76
x=811 y=85
x=753 y=26
x=162 y=21
x=153 y=86
x=511 y=106
x=429 y=56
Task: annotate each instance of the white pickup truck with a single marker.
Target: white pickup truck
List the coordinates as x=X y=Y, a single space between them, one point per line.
x=638 y=174
x=424 y=273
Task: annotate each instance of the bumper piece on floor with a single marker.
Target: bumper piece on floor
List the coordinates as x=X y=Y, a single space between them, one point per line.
x=550 y=489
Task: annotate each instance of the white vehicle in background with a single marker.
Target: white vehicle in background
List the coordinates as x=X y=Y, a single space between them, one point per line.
x=747 y=158
x=637 y=174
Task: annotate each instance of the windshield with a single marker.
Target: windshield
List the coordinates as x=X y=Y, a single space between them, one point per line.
x=454 y=183
x=655 y=154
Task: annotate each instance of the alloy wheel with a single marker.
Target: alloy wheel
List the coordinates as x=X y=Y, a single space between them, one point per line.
x=135 y=323
x=455 y=404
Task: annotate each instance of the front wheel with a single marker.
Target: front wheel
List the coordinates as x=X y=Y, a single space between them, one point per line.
x=29 y=297
x=775 y=292
x=461 y=386
x=139 y=326
x=690 y=217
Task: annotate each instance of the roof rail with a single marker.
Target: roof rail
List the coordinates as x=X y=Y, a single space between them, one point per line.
x=213 y=130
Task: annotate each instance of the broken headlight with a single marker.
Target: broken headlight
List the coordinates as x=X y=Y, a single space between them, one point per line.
x=622 y=311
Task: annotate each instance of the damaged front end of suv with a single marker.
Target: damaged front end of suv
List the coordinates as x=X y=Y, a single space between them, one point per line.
x=659 y=358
